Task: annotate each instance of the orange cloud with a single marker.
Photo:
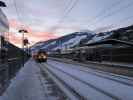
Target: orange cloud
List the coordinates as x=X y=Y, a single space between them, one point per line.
x=40 y=36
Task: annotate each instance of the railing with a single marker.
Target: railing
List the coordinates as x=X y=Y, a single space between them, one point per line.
x=10 y=63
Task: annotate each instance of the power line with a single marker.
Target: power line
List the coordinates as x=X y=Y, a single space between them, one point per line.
x=65 y=10
x=17 y=11
x=96 y=17
x=113 y=13
x=123 y=20
x=105 y=10
x=67 y=6
x=66 y=14
x=26 y=16
x=120 y=22
x=19 y=17
x=73 y=5
x=69 y=10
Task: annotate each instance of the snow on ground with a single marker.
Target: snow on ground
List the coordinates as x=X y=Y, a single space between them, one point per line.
x=122 y=91
x=26 y=85
x=84 y=90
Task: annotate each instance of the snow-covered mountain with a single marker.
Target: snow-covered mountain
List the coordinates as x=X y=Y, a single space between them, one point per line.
x=84 y=37
x=100 y=36
x=67 y=41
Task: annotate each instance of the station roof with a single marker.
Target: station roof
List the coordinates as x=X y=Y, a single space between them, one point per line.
x=110 y=41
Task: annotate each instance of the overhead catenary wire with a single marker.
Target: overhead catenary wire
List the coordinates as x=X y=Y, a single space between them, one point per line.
x=122 y=21
x=73 y=5
x=99 y=18
x=21 y=26
x=17 y=11
x=69 y=10
x=112 y=13
x=65 y=14
x=67 y=6
x=105 y=10
x=65 y=10
x=19 y=16
x=96 y=17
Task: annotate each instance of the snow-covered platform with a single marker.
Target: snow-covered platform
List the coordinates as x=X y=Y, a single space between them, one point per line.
x=26 y=85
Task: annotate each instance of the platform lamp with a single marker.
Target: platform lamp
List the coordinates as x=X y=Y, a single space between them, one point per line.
x=26 y=42
x=23 y=31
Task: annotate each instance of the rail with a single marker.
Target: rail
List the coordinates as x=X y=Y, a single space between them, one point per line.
x=82 y=82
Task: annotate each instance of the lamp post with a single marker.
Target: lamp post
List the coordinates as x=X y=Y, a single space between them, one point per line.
x=26 y=42
x=23 y=31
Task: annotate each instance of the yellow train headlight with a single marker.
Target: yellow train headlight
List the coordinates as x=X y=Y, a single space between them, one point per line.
x=44 y=56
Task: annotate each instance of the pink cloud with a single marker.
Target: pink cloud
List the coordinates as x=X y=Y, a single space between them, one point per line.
x=32 y=36
x=13 y=23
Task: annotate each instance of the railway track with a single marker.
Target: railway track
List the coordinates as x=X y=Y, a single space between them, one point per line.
x=118 y=78
x=71 y=94
x=89 y=85
x=85 y=89
x=121 y=70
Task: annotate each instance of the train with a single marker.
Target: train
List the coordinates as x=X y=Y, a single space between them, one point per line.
x=40 y=56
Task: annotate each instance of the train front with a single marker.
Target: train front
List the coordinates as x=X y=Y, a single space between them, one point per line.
x=40 y=56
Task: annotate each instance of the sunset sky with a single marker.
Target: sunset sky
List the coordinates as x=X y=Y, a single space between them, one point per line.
x=47 y=19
